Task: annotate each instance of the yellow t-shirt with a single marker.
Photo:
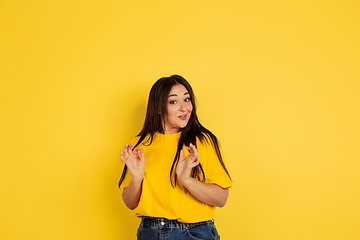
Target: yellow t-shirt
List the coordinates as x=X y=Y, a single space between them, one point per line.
x=158 y=197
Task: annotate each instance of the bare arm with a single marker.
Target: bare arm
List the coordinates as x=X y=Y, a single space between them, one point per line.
x=135 y=162
x=132 y=193
x=208 y=193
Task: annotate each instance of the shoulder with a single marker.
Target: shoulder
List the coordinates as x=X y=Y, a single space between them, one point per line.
x=134 y=140
x=207 y=141
x=144 y=141
x=207 y=146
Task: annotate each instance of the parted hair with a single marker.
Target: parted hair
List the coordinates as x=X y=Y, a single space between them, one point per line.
x=155 y=122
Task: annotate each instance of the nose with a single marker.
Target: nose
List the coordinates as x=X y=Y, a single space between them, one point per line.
x=182 y=107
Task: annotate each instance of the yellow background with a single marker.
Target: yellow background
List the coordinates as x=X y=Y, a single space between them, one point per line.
x=276 y=81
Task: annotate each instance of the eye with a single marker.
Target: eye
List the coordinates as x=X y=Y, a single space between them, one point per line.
x=187 y=100
x=172 y=102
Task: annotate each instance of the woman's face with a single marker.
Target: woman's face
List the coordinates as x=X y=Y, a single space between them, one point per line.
x=179 y=108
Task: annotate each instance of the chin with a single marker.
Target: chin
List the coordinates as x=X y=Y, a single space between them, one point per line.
x=184 y=126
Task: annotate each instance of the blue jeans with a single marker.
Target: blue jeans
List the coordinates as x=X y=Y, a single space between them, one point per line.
x=161 y=228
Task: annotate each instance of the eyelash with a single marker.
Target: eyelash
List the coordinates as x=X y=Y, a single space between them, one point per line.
x=174 y=101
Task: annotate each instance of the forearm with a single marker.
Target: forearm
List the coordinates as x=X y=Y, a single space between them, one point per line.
x=132 y=193
x=208 y=193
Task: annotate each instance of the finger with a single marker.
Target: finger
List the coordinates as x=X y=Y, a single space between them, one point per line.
x=142 y=155
x=196 y=162
x=126 y=152
x=122 y=157
x=181 y=157
x=136 y=151
x=191 y=156
x=130 y=148
x=193 y=149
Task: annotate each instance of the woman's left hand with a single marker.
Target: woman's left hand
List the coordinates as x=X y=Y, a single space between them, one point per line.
x=208 y=193
x=184 y=166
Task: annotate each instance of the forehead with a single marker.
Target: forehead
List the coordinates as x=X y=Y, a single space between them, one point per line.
x=178 y=89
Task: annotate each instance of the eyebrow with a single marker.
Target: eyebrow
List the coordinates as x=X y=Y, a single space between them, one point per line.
x=175 y=95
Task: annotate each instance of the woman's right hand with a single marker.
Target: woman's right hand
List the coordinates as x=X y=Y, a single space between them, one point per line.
x=134 y=160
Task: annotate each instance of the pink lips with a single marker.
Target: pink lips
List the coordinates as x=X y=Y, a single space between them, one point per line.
x=182 y=117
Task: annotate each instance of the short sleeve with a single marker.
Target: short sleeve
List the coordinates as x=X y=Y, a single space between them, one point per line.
x=127 y=178
x=214 y=171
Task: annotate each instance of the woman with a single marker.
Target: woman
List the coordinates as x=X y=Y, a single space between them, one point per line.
x=184 y=178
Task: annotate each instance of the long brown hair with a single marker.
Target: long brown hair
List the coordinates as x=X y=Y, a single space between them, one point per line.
x=154 y=122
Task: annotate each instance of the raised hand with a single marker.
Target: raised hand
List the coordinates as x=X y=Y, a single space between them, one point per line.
x=184 y=166
x=134 y=160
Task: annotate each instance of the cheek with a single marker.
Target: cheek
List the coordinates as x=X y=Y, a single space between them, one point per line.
x=190 y=107
x=171 y=111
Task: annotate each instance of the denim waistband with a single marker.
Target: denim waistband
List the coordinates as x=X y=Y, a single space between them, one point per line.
x=167 y=223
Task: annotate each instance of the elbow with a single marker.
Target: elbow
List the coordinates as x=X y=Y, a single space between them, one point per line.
x=222 y=202
x=131 y=207
x=130 y=204
x=130 y=201
x=222 y=197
